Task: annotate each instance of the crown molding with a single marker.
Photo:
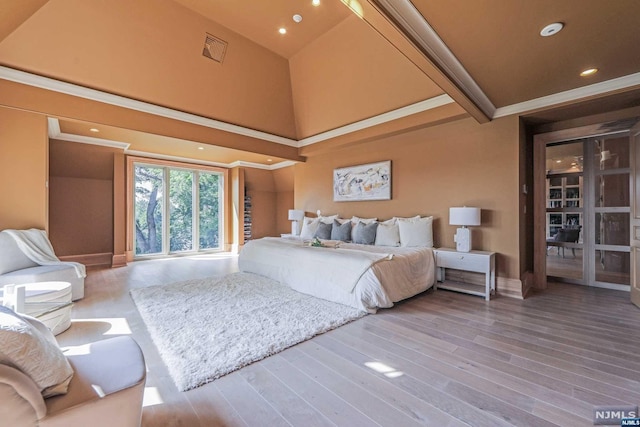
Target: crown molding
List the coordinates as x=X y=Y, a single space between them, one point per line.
x=236 y=164
x=418 y=107
x=47 y=83
x=572 y=95
x=55 y=133
x=34 y=80
x=280 y=165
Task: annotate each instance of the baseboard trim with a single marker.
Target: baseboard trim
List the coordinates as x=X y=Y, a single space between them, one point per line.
x=119 y=260
x=89 y=260
x=527 y=283
x=511 y=288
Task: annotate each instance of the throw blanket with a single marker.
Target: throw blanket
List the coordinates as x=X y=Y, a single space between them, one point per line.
x=341 y=268
x=36 y=246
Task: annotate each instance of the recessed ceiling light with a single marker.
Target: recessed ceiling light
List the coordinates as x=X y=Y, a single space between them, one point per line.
x=200 y=148
x=282 y=30
x=589 y=72
x=558 y=161
x=551 y=29
x=269 y=160
x=315 y=2
x=94 y=130
x=297 y=18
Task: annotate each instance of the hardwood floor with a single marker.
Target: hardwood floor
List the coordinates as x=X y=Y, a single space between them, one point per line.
x=438 y=359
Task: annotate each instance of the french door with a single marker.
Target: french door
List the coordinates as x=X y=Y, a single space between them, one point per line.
x=176 y=209
x=588 y=211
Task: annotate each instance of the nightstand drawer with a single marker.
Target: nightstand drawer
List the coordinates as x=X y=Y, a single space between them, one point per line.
x=462 y=261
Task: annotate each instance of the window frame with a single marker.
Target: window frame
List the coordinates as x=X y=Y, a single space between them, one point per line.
x=167 y=165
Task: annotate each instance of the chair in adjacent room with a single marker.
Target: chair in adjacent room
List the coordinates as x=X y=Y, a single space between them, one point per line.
x=567 y=234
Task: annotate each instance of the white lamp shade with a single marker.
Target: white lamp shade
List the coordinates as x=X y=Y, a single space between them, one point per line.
x=296 y=215
x=464 y=216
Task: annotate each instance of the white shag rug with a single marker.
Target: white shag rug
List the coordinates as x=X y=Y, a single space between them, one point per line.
x=206 y=328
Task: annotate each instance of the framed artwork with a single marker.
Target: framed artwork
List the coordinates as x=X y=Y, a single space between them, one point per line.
x=363 y=182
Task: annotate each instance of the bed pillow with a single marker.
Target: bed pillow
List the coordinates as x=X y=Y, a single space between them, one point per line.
x=29 y=346
x=388 y=233
x=355 y=220
x=365 y=234
x=341 y=231
x=416 y=232
x=327 y=219
x=309 y=227
x=323 y=231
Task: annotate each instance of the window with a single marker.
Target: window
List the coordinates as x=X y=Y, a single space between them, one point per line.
x=176 y=208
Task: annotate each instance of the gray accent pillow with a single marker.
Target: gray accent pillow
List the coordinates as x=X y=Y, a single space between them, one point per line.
x=341 y=231
x=324 y=231
x=365 y=233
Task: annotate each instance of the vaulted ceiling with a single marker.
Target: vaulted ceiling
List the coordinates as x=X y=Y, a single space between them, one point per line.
x=347 y=66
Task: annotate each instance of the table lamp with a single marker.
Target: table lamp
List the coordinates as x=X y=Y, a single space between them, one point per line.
x=465 y=217
x=295 y=215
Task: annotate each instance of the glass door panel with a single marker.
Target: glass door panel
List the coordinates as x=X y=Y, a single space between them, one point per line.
x=612 y=229
x=148 y=213
x=210 y=212
x=180 y=210
x=612 y=190
x=564 y=164
x=613 y=267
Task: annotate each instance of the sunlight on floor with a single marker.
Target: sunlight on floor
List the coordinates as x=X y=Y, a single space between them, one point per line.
x=151 y=397
x=76 y=350
x=385 y=370
x=119 y=325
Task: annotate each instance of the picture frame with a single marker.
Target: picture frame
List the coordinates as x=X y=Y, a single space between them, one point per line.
x=371 y=181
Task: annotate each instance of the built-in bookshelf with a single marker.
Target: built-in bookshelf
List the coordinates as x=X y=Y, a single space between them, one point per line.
x=247 y=218
x=564 y=194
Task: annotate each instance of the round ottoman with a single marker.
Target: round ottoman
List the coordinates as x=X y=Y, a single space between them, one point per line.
x=49 y=302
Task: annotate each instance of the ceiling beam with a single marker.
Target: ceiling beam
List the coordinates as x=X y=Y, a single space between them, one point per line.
x=409 y=36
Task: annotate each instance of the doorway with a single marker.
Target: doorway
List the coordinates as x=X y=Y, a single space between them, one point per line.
x=587 y=210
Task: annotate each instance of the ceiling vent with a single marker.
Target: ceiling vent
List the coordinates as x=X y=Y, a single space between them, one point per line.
x=214 y=48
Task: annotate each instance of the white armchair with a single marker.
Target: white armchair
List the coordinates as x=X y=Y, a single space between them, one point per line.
x=106 y=388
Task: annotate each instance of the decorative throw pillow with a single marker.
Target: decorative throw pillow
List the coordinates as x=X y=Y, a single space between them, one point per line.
x=324 y=231
x=365 y=233
x=355 y=220
x=27 y=344
x=388 y=233
x=309 y=227
x=416 y=232
x=341 y=231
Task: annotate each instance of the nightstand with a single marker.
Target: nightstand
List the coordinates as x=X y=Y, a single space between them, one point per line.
x=474 y=261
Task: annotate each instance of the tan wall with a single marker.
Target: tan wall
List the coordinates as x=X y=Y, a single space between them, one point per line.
x=23 y=169
x=81 y=213
x=328 y=94
x=284 y=182
x=271 y=195
x=260 y=187
x=433 y=169
x=151 y=50
x=81 y=219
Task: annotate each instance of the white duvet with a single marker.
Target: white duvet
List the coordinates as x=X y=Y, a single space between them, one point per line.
x=361 y=276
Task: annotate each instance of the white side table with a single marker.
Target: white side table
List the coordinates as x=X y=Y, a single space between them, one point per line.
x=475 y=261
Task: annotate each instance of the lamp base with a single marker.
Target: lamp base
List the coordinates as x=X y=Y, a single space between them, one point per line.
x=463 y=239
x=294 y=228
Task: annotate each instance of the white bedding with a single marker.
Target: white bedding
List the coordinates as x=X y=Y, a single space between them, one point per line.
x=385 y=280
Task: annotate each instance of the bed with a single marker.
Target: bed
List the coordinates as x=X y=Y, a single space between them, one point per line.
x=366 y=277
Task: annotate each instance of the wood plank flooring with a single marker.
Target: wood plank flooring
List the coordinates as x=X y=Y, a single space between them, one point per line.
x=438 y=359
